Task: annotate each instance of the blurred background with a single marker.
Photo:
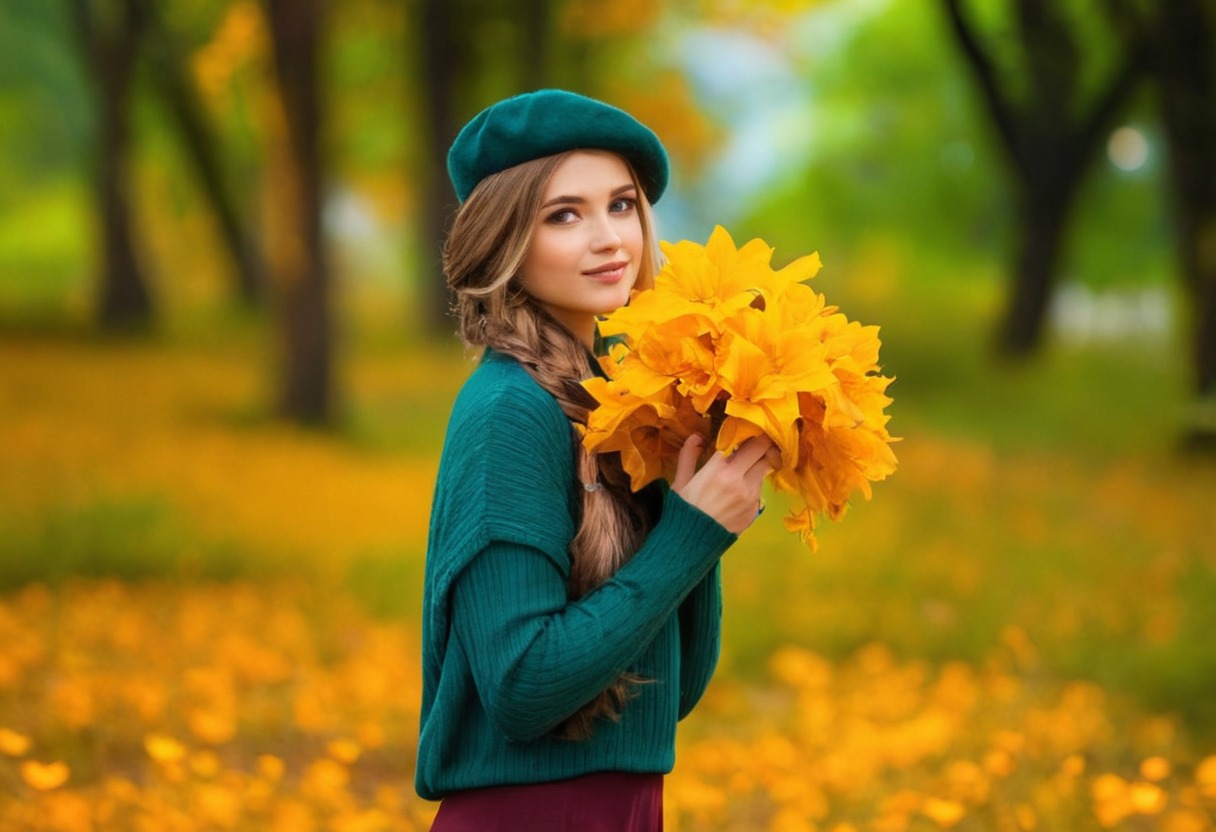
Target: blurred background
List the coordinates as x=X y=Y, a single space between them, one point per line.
x=226 y=366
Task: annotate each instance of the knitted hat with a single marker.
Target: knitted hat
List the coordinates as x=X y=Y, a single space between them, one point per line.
x=542 y=123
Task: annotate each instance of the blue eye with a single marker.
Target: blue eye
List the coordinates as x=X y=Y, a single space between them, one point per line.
x=623 y=205
x=565 y=215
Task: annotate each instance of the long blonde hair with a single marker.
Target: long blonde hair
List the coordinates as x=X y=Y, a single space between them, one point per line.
x=481 y=260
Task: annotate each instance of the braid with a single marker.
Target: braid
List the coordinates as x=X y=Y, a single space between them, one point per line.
x=612 y=524
x=482 y=257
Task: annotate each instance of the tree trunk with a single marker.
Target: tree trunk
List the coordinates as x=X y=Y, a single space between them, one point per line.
x=534 y=61
x=1042 y=228
x=299 y=250
x=110 y=45
x=1185 y=39
x=187 y=112
x=1050 y=140
x=439 y=47
x=1202 y=430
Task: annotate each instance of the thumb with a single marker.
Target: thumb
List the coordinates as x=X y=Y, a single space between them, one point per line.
x=686 y=464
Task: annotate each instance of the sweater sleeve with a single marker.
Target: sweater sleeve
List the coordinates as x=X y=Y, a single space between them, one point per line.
x=535 y=656
x=505 y=476
x=700 y=638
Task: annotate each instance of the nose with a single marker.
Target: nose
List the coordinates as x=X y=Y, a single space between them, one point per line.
x=607 y=235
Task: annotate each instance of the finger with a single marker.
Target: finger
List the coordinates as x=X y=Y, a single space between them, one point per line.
x=773 y=458
x=755 y=475
x=686 y=462
x=762 y=467
x=750 y=451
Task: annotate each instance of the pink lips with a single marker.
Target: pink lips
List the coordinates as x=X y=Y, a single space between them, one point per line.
x=609 y=272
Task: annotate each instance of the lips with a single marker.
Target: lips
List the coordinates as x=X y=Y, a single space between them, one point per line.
x=609 y=272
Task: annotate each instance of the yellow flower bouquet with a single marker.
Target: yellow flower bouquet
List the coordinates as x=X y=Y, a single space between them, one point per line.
x=726 y=346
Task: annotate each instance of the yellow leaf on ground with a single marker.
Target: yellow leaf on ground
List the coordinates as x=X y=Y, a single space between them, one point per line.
x=44 y=776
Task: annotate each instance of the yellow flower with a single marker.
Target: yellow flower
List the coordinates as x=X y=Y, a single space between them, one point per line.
x=163 y=748
x=325 y=780
x=215 y=726
x=946 y=813
x=1147 y=798
x=762 y=369
x=205 y=764
x=44 y=776
x=344 y=750
x=647 y=432
x=270 y=767
x=1205 y=777
x=1111 y=799
x=13 y=744
x=1155 y=768
x=219 y=807
x=724 y=344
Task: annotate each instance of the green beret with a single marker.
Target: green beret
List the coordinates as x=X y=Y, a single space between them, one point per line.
x=542 y=123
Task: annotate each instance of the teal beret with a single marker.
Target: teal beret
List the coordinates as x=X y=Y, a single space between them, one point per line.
x=542 y=123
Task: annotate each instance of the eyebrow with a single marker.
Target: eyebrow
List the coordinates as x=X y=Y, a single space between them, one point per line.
x=578 y=200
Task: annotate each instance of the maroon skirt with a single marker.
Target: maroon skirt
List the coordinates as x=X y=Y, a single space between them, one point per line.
x=605 y=802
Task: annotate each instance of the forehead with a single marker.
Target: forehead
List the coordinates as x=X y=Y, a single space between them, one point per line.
x=587 y=173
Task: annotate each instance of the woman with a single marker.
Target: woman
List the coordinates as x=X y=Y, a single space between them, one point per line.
x=568 y=623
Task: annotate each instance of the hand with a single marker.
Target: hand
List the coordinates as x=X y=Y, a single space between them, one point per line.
x=727 y=488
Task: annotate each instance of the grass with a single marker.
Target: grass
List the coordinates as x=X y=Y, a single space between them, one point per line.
x=128 y=539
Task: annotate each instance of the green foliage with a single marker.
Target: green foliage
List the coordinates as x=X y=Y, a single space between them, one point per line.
x=903 y=150
x=386 y=585
x=45 y=117
x=126 y=538
x=1122 y=234
x=1082 y=53
x=370 y=128
x=43 y=252
x=899 y=149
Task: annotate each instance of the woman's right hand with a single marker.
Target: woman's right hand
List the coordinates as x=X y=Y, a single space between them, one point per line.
x=727 y=488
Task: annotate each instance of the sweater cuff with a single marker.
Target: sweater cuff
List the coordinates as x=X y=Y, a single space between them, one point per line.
x=685 y=528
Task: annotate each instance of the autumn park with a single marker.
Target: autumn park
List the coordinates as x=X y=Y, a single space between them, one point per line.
x=227 y=362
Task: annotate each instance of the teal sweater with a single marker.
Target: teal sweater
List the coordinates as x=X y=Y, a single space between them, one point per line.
x=506 y=656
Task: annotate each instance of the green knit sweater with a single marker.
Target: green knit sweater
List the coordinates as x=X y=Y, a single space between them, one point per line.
x=506 y=655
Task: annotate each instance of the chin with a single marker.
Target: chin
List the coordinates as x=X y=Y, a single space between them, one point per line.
x=608 y=309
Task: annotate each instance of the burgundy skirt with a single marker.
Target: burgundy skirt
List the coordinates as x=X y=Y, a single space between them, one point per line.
x=605 y=802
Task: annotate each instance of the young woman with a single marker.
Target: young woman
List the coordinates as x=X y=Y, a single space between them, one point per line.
x=568 y=623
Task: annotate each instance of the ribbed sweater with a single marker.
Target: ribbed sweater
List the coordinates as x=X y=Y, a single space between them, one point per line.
x=506 y=655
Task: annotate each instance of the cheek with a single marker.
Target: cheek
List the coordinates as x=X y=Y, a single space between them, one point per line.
x=542 y=258
x=634 y=235
x=635 y=244
x=549 y=252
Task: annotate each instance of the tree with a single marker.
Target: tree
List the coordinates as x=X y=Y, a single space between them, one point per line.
x=443 y=58
x=110 y=36
x=1183 y=37
x=202 y=146
x=459 y=46
x=1050 y=135
x=297 y=248
x=117 y=39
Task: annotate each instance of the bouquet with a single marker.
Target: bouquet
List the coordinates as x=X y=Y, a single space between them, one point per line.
x=728 y=347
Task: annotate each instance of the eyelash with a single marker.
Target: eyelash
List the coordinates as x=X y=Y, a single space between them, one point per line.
x=628 y=203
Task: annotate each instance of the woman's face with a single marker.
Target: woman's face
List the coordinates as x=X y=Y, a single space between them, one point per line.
x=586 y=241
